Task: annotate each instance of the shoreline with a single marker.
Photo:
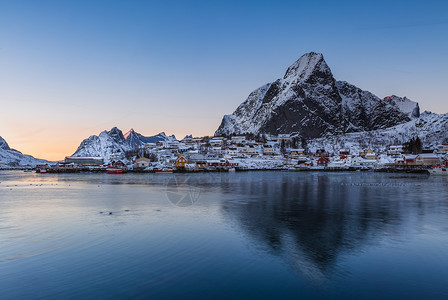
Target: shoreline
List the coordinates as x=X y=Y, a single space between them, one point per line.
x=324 y=170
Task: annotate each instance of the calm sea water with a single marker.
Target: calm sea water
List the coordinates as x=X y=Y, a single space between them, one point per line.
x=247 y=235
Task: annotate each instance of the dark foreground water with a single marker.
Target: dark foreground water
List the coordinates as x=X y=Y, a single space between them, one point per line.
x=223 y=236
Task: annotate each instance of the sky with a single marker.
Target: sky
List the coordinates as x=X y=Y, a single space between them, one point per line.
x=71 y=69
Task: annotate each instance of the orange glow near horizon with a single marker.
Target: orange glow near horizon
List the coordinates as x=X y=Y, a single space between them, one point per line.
x=62 y=142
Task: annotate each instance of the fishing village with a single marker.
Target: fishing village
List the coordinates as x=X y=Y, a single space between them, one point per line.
x=244 y=153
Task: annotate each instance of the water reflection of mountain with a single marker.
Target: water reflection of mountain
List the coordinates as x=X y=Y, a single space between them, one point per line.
x=312 y=219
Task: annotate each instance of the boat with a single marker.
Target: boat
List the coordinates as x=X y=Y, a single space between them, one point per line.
x=114 y=171
x=164 y=171
x=439 y=171
x=43 y=171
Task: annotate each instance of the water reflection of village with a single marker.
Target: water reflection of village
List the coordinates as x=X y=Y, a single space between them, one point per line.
x=313 y=219
x=237 y=153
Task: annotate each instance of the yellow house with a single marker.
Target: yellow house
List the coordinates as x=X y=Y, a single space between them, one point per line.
x=181 y=162
x=368 y=152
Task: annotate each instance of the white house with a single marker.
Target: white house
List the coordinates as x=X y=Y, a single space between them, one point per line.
x=361 y=162
x=142 y=162
x=217 y=150
x=240 y=139
x=217 y=141
x=249 y=149
x=268 y=149
x=232 y=151
x=172 y=145
x=395 y=150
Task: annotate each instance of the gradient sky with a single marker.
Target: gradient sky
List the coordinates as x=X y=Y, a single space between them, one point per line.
x=70 y=69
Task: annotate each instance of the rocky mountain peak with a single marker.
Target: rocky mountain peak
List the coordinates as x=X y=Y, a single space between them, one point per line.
x=113 y=141
x=406 y=105
x=3 y=144
x=309 y=68
x=308 y=101
x=127 y=134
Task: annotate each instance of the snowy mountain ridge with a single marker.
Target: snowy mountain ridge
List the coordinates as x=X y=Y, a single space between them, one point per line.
x=13 y=158
x=431 y=128
x=108 y=143
x=310 y=102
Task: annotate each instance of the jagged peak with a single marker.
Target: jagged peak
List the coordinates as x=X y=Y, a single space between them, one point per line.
x=397 y=98
x=406 y=105
x=3 y=144
x=131 y=131
x=307 y=65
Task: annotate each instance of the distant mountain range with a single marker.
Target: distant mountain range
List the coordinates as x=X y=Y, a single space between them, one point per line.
x=13 y=158
x=114 y=141
x=308 y=101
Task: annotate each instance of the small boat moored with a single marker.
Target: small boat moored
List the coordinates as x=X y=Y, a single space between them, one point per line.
x=439 y=171
x=114 y=171
x=164 y=171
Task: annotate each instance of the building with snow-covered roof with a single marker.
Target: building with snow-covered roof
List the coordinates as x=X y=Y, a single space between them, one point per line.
x=362 y=162
x=395 y=150
x=232 y=151
x=150 y=146
x=344 y=152
x=217 y=150
x=217 y=141
x=428 y=159
x=142 y=162
x=172 y=144
x=286 y=137
x=249 y=149
x=294 y=153
x=85 y=161
x=239 y=139
x=268 y=149
x=371 y=156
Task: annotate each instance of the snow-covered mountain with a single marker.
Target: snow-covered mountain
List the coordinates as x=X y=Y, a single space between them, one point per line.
x=13 y=158
x=407 y=106
x=431 y=128
x=136 y=140
x=310 y=102
x=112 y=142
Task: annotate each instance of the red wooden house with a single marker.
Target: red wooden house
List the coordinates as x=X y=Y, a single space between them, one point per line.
x=117 y=164
x=322 y=161
x=321 y=153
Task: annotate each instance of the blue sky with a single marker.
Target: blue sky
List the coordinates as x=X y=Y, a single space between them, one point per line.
x=80 y=67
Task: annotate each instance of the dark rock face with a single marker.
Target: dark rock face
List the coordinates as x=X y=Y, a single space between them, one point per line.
x=310 y=102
